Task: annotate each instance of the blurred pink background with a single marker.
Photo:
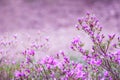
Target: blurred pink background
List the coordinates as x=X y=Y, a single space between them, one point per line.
x=39 y=14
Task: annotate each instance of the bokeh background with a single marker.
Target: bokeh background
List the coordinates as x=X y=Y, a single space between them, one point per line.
x=54 y=19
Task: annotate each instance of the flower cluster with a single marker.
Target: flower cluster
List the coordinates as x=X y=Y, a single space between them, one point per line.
x=51 y=68
x=100 y=59
x=101 y=62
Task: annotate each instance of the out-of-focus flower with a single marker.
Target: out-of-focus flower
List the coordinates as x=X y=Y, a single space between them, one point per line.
x=19 y=74
x=106 y=73
x=95 y=62
x=76 y=41
x=31 y=52
x=111 y=36
x=80 y=74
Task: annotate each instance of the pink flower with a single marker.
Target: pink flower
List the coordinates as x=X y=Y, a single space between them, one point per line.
x=95 y=62
x=75 y=41
x=19 y=74
x=79 y=66
x=31 y=52
x=111 y=36
x=80 y=74
x=106 y=73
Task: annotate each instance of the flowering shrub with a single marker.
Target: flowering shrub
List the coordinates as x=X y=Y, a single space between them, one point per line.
x=101 y=62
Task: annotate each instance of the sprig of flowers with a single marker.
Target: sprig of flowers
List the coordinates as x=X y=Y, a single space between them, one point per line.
x=98 y=58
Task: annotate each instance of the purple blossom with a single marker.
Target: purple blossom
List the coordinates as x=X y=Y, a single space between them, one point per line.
x=62 y=53
x=28 y=59
x=76 y=40
x=31 y=52
x=106 y=73
x=77 y=27
x=79 y=66
x=95 y=62
x=80 y=74
x=19 y=74
x=49 y=60
x=66 y=59
x=111 y=36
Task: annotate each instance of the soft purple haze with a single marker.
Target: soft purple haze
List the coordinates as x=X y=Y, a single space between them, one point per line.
x=38 y=14
x=54 y=19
